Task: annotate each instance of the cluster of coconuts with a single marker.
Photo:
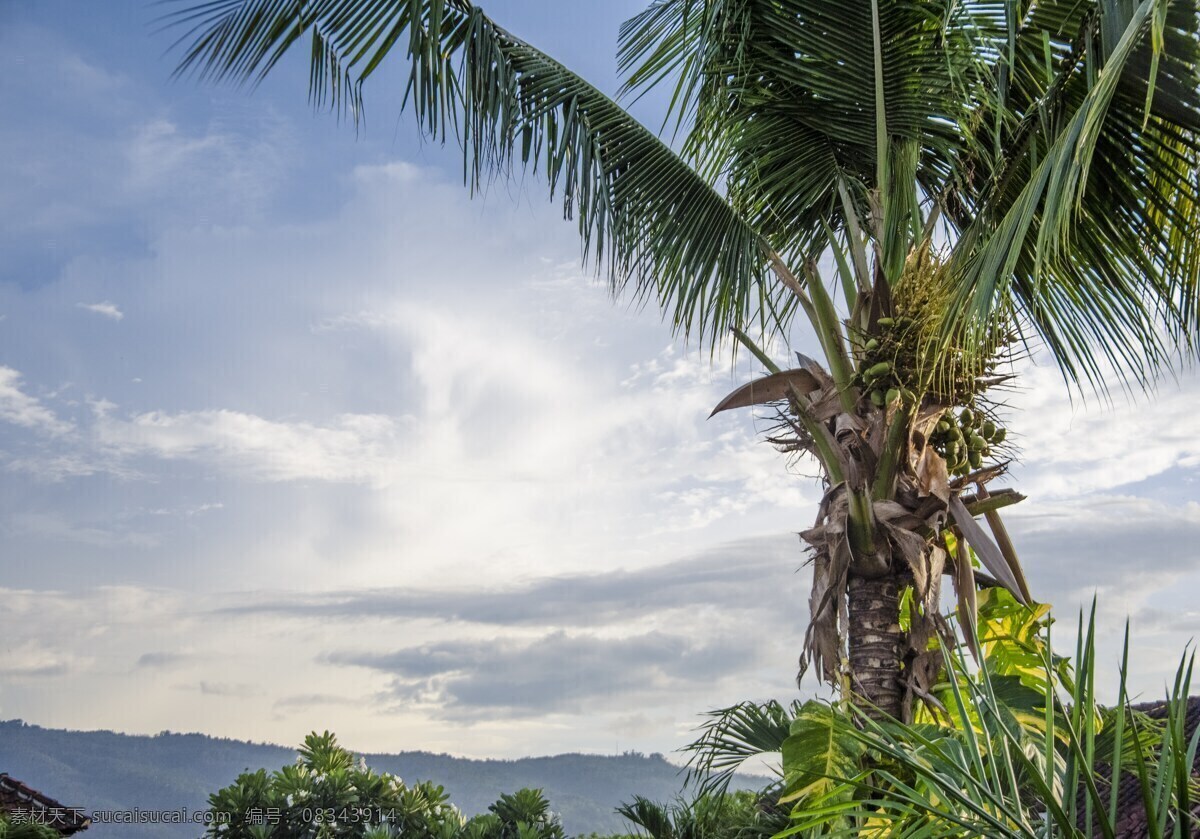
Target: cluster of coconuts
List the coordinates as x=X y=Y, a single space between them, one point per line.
x=965 y=440
x=878 y=375
x=964 y=437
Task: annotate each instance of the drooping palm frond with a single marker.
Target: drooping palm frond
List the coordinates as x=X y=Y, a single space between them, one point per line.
x=733 y=735
x=1088 y=217
x=650 y=222
x=651 y=817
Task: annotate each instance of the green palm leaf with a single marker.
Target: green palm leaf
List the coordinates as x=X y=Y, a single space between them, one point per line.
x=734 y=735
x=648 y=221
x=1105 y=268
x=818 y=754
x=996 y=114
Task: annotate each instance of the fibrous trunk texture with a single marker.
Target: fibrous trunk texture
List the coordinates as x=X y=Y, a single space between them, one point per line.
x=877 y=645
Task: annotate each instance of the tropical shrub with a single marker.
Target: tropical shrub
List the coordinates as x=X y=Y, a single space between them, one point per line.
x=1011 y=742
x=1007 y=757
x=1008 y=640
x=25 y=830
x=737 y=815
x=326 y=793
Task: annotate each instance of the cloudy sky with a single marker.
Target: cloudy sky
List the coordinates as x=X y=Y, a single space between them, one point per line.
x=295 y=434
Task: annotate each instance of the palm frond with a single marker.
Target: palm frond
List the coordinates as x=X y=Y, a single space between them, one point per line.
x=651 y=817
x=1105 y=267
x=781 y=99
x=648 y=221
x=733 y=735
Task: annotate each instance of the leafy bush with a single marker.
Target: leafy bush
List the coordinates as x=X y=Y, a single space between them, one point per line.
x=1013 y=743
x=739 y=815
x=25 y=830
x=327 y=794
x=1009 y=756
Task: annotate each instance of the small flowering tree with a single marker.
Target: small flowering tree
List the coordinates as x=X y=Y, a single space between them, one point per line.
x=327 y=794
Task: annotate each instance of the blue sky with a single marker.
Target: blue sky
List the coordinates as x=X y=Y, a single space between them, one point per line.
x=295 y=434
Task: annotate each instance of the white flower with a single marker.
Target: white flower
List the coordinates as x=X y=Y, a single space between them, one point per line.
x=290 y=800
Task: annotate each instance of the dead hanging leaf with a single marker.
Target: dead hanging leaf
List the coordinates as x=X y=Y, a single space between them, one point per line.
x=895 y=514
x=935 y=567
x=927 y=562
x=831 y=560
x=831 y=545
x=826 y=403
x=964 y=587
x=773 y=388
x=927 y=419
x=858 y=461
x=933 y=478
x=822 y=642
x=911 y=547
x=847 y=429
x=990 y=555
x=1006 y=548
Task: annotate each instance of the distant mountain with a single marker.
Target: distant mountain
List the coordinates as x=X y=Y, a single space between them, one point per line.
x=101 y=770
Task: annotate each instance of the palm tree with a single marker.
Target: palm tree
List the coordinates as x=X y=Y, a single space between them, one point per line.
x=980 y=175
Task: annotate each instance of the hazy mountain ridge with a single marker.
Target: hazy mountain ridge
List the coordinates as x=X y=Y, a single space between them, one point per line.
x=104 y=770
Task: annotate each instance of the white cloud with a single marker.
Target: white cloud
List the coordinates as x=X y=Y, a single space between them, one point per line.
x=240 y=691
x=354 y=448
x=56 y=467
x=1071 y=449
x=32 y=659
x=54 y=527
x=107 y=308
x=19 y=408
x=210 y=174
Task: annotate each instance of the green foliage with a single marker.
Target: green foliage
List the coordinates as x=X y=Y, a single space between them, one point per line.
x=733 y=735
x=816 y=752
x=1015 y=746
x=648 y=220
x=1012 y=640
x=1018 y=758
x=326 y=793
x=740 y=815
x=524 y=814
x=25 y=830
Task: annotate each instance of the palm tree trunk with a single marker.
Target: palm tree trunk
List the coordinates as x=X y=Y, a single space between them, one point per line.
x=877 y=645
